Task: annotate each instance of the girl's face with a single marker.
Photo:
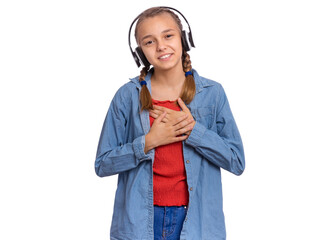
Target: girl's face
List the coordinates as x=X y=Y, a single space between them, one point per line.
x=160 y=40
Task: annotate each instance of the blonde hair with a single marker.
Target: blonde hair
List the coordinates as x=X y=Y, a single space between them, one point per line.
x=189 y=88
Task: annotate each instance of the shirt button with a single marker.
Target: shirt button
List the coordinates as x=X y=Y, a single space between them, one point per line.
x=188 y=161
x=191 y=189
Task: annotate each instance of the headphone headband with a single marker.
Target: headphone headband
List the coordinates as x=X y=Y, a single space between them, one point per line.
x=138 y=55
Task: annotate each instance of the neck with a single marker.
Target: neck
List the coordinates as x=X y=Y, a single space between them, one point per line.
x=169 y=78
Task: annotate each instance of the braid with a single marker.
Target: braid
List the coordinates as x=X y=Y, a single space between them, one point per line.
x=145 y=97
x=189 y=87
x=186 y=61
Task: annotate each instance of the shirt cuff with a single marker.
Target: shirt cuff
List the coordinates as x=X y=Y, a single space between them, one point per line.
x=138 y=147
x=196 y=135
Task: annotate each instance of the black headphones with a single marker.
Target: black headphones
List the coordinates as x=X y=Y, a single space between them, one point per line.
x=138 y=54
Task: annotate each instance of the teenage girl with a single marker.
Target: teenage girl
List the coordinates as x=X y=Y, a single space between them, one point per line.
x=167 y=133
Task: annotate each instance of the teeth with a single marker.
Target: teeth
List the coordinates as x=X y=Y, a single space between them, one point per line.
x=165 y=56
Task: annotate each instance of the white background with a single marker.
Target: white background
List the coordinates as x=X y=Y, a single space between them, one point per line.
x=62 y=61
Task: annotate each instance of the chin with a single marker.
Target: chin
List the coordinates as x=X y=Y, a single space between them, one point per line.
x=167 y=66
x=163 y=68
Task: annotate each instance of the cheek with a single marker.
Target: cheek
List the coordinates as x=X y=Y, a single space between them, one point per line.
x=178 y=51
x=178 y=46
x=148 y=54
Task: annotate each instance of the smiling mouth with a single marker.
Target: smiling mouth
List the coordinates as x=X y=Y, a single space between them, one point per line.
x=165 y=56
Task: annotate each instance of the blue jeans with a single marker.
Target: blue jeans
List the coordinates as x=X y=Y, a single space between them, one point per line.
x=168 y=222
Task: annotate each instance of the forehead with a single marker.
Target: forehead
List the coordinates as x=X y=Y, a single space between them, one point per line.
x=157 y=24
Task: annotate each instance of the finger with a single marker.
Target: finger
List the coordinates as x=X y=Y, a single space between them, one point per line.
x=185 y=124
x=190 y=126
x=182 y=105
x=156 y=115
x=162 y=109
x=165 y=119
x=187 y=133
x=161 y=117
x=184 y=130
x=153 y=115
x=157 y=111
x=180 y=138
x=179 y=119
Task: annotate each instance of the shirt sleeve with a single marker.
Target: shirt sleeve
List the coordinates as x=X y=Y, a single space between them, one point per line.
x=224 y=147
x=114 y=155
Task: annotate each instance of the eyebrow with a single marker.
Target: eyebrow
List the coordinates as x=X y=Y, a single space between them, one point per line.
x=165 y=31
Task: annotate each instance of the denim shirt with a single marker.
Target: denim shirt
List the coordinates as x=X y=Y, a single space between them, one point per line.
x=214 y=143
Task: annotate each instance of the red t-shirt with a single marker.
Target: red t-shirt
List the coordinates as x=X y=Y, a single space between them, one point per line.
x=169 y=177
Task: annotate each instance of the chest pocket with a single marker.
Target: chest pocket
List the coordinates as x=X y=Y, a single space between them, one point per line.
x=204 y=115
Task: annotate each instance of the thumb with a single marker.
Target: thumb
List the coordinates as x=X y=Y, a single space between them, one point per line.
x=182 y=105
x=159 y=119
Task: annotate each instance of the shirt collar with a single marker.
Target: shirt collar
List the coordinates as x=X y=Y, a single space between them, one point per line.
x=200 y=82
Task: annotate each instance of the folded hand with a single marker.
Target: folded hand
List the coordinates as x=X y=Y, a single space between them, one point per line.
x=172 y=115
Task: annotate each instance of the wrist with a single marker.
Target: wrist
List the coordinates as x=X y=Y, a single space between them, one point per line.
x=149 y=144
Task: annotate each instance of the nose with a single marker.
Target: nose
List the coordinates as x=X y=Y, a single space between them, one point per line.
x=160 y=46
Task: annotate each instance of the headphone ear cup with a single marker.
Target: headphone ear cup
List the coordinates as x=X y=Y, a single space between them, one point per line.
x=142 y=57
x=191 y=40
x=136 y=59
x=184 y=41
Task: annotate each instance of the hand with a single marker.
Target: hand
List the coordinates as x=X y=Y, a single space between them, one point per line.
x=172 y=114
x=162 y=133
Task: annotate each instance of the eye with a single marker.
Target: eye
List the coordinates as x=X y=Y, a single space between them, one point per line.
x=169 y=35
x=149 y=42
